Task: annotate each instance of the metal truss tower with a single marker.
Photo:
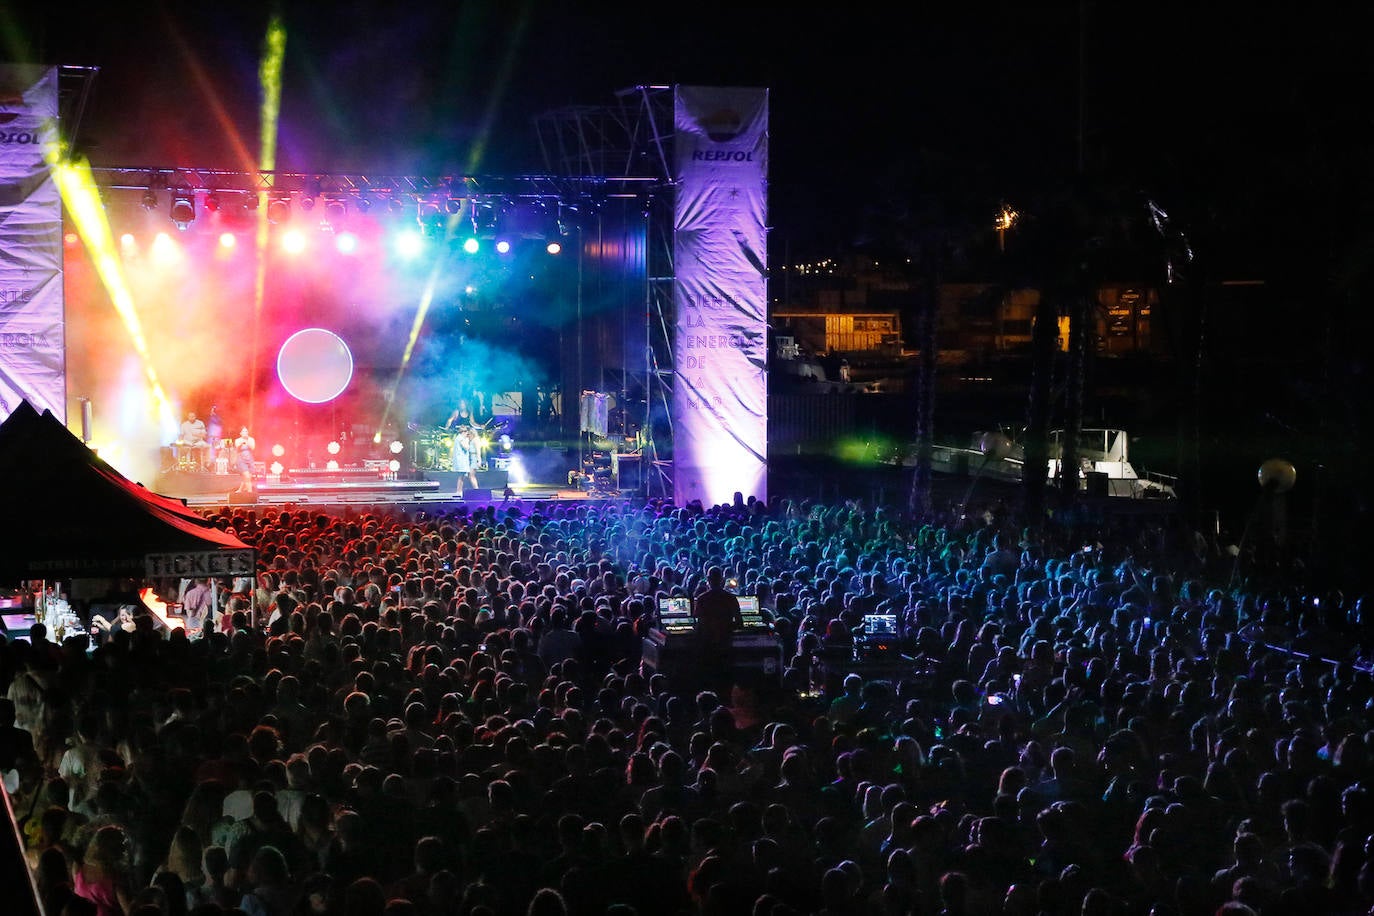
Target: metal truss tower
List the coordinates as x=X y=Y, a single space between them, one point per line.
x=631 y=140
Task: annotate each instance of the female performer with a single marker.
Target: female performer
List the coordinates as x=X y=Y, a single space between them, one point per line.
x=243 y=447
x=465 y=456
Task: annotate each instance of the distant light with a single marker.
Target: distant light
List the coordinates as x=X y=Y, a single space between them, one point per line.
x=331 y=465
x=409 y=244
x=554 y=248
x=164 y=249
x=346 y=242
x=332 y=448
x=227 y=240
x=394 y=465
x=503 y=247
x=293 y=242
x=278 y=450
x=470 y=246
x=396 y=447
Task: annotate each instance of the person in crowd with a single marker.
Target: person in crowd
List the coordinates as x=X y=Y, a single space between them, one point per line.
x=422 y=719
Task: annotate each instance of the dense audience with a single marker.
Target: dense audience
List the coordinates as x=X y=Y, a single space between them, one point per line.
x=449 y=716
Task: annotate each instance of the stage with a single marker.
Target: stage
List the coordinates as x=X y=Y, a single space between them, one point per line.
x=435 y=490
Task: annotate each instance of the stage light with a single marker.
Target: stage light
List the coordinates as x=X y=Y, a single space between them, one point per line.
x=409 y=244
x=149 y=201
x=471 y=246
x=278 y=450
x=164 y=249
x=431 y=218
x=394 y=465
x=364 y=203
x=71 y=238
x=183 y=210
x=276 y=468
x=331 y=465
x=227 y=240
x=212 y=202
x=503 y=247
x=346 y=242
x=334 y=212
x=312 y=190
x=553 y=248
x=250 y=201
x=332 y=448
x=397 y=446
x=293 y=242
x=279 y=210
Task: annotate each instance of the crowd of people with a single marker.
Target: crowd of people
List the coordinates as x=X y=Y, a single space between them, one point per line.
x=449 y=716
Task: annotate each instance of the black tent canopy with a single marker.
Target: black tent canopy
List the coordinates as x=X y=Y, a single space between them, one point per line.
x=68 y=514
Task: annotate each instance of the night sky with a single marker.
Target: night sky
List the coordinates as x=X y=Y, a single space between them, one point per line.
x=867 y=102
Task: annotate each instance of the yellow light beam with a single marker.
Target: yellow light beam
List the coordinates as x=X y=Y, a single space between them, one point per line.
x=81 y=196
x=269 y=115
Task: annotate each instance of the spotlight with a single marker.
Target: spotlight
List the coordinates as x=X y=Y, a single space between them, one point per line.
x=396 y=447
x=331 y=465
x=503 y=247
x=453 y=206
x=471 y=246
x=394 y=465
x=332 y=448
x=276 y=468
x=312 y=190
x=553 y=248
x=293 y=242
x=227 y=240
x=279 y=210
x=278 y=450
x=149 y=200
x=431 y=218
x=183 y=210
x=334 y=212
x=346 y=243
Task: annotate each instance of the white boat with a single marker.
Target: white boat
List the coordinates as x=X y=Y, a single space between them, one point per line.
x=1104 y=464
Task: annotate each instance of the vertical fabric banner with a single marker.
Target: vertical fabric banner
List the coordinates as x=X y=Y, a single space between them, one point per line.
x=32 y=332
x=720 y=388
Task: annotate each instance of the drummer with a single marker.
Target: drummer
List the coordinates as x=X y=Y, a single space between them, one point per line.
x=194 y=437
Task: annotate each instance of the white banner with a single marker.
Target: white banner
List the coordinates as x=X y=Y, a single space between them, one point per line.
x=720 y=389
x=32 y=332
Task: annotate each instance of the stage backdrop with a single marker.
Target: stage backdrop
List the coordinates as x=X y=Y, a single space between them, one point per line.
x=32 y=345
x=720 y=392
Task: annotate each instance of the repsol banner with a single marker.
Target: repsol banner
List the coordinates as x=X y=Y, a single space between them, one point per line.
x=720 y=390
x=32 y=330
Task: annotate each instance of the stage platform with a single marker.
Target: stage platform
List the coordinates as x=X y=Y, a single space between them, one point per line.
x=433 y=490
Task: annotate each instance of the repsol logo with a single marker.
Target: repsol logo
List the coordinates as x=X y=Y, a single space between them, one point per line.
x=20 y=137
x=22 y=341
x=722 y=155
